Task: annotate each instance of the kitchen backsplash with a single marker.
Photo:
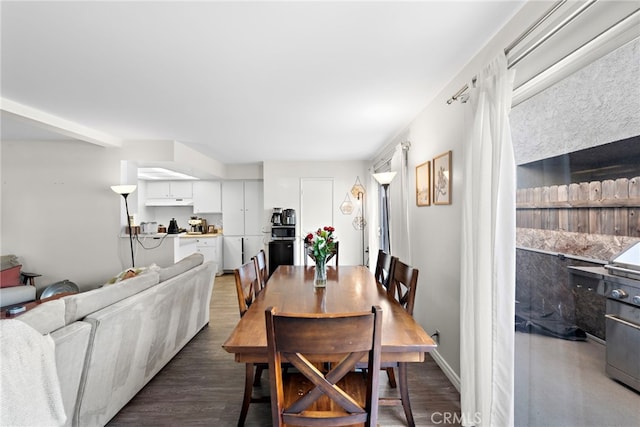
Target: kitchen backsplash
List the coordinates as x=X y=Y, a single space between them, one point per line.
x=163 y=214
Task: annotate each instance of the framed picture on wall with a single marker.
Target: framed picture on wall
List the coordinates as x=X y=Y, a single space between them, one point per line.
x=423 y=184
x=442 y=179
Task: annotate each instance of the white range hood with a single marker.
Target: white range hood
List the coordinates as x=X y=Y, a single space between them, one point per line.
x=169 y=202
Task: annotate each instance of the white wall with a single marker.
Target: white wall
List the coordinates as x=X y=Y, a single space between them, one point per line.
x=58 y=213
x=282 y=189
x=435 y=230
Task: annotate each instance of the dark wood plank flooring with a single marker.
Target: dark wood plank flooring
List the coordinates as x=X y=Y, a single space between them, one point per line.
x=203 y=384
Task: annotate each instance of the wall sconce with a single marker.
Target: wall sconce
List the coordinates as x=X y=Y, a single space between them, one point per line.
x=346 y=207
x=124 y=191
x=359 y=223
x=384 y=179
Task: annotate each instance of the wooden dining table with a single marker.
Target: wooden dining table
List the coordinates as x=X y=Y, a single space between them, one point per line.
x=349 y=289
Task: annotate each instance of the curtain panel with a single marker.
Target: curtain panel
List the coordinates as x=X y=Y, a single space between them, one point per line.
x=488 y=255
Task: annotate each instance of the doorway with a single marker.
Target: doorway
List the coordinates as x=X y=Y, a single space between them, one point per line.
x=316 y=205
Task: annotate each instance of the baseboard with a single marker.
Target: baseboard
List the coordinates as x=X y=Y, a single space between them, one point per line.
x=448 y=372
x=595 y=339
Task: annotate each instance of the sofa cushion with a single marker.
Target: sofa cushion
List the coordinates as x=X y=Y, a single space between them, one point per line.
x=78 y=306
x=10 y=277
x=46 y=317
x=186 y=263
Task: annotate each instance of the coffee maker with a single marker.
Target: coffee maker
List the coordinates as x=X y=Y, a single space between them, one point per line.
x=289 y=217
x=196 y=225
x=276 y=216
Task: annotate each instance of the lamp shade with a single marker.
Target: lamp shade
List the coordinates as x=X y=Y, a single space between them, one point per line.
x=124 y=189
x=358 y=189
x=384 y=178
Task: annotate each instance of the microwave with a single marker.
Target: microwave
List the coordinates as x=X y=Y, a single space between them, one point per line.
x=283 y=232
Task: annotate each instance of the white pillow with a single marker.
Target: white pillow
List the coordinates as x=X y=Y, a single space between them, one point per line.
x=132 y=272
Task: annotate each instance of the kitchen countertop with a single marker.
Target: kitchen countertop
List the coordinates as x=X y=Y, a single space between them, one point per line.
x=201 y=235
x=183 y=235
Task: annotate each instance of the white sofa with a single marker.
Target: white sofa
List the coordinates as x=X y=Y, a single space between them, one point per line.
x=109 y=342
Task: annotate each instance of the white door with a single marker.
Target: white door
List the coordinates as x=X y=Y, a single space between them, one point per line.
x=316 y=206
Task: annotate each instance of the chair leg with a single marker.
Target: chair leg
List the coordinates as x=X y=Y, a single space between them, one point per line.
x=257 y=378
x=404 y=393
x=392 y=378
x=247 y=393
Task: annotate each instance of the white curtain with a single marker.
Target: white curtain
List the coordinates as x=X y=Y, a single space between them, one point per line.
x=373 y=220
x=488 y=255
x=399 y=205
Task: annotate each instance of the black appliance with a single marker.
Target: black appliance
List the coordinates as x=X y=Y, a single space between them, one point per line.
x=622 y=289
x=289 y=217
x=173 y=227
x=280 y=253
x=283 y=232
x=281 y=246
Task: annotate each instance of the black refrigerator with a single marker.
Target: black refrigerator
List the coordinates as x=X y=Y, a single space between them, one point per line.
x=280 y=253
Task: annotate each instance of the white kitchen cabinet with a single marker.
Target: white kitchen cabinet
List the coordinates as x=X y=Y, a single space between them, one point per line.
x=242 y=207
x=253 y=207
x=211 y=249
x=233 y=208
x=242 y=218
x=239 y=250
x=232 y=252
x=252 y=245
x=169 y=190
x=207 y=197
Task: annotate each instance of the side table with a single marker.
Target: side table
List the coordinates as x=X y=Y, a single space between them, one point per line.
x=29 y=277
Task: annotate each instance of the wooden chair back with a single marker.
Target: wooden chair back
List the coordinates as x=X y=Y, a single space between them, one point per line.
x=333 y=255
x=384 y=268
x=402 y=285
x=262 y=271
x=338 y=397
x=246 y=285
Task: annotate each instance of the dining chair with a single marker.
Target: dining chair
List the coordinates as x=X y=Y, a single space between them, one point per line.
x=384 y=268
x=332 y=255
x=247 y=287
x=315 y=397
x=262 y=271
x=402 y=287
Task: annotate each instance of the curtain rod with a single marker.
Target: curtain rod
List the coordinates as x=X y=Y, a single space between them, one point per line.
x=553 y=31
x=527 y=32
x=385 y=156
x=533 y=26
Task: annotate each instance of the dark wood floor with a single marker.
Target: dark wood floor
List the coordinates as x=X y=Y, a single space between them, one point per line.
x=203 y=384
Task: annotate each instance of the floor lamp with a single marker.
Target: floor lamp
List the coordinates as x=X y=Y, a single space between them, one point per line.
x=384 y=179
x=359 y=222
x=124 y=191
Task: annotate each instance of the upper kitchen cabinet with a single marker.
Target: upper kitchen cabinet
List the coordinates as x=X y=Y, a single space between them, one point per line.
x=207 y=197
x=169 y=193
x=242 y=208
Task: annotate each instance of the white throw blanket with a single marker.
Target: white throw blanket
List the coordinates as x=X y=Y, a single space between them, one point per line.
x=29 y=388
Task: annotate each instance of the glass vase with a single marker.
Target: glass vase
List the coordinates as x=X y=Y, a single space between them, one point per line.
x=320 y=279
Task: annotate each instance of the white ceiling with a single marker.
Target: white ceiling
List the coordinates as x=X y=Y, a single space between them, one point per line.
x=240 y=81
